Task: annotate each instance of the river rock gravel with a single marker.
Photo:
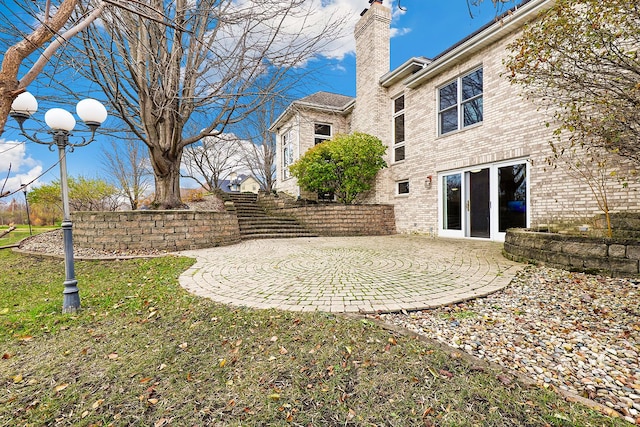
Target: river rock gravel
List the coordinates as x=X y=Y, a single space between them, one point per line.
x=573 y=331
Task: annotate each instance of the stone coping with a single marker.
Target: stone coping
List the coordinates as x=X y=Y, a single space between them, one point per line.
x=613 y=257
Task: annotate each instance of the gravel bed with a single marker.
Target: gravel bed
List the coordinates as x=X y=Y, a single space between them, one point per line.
x=573 y=331
x=51 y=243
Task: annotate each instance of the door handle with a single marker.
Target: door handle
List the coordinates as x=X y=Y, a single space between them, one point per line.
x=468 y=205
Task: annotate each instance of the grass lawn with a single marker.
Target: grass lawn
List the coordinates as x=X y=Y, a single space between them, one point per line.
x=144 y=352
x=21 y=232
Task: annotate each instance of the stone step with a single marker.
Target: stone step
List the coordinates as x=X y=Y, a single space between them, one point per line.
x=272 y=235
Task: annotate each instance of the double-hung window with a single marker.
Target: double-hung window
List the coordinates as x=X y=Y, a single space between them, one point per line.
x=398 y=129
x=287 y=154
x=321 y=132
x=460 y=102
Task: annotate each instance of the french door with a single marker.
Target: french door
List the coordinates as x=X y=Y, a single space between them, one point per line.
x=483 y=202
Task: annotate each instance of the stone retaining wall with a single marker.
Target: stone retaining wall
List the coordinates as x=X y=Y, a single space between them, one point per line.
x=160 y=230
x=344 y=220
x=577 y=253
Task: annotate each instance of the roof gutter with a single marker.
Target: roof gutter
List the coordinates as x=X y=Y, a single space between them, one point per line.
x=510 y=22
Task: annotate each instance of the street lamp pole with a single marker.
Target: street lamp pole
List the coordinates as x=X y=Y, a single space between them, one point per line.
x=61 y=123
x=26 y=203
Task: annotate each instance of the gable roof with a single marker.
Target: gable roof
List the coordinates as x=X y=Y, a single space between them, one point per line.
x=321 y=101
x=325 y=99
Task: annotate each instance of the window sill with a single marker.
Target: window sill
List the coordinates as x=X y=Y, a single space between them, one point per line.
x=402 y=196
x=456 y=132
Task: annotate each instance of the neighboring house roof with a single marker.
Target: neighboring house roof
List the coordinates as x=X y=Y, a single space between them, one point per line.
x=322 y=101
x=225 y=184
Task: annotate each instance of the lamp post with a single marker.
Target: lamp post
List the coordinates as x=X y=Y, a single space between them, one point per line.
x=26 y=203
x=61 y=123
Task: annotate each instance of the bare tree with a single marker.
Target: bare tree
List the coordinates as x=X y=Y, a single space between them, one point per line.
x=212 y=159
x=51 y=22
x=214 y=61
x=259 y=157
x=127 y=165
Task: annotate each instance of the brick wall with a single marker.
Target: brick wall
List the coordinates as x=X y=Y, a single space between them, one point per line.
x=344 y=220
x=160 y=230
x=606 y=256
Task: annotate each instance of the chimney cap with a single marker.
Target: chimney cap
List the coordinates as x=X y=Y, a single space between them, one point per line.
x=363 y=12
x=375 y=1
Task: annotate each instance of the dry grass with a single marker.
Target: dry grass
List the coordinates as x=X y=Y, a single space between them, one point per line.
x=144 y=352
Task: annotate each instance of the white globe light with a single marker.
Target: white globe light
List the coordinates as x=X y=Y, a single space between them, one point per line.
x=25 y=103
x=59 y=119
x=91 y=111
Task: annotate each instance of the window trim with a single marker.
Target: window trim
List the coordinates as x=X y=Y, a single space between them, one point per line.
x=319 y=138
x=287 y=146
x=460 y=103
x=403 y=194
x=395 y=114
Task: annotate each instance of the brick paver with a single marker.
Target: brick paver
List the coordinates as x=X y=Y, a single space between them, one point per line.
x=349 y=274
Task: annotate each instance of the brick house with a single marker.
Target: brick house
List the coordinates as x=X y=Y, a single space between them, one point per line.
x=466 y=154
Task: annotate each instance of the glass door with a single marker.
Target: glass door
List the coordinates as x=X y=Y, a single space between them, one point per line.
x=451 y=207
x=485 y=201
x=478 y=204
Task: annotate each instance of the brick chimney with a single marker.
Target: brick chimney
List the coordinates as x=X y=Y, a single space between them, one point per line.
x=372 y=34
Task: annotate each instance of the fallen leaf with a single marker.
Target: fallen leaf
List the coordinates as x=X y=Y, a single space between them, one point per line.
x=505 y=380
x=183 y=345
x=189 y=377
x=351 y=415
x=17 y=378
x=446 y=373
x=283 y=350
x=4 y=311
x=60 y=387
x=274 y=339
x=392 y=341
x=274 y=396
x=153 y=400
x=97 y=403
x=84 y=414
x=145 y=380
x=222 y=363
x=7 y=356
x=113 y=356
x=26 y=338
x=161 y=422
x=162 y=366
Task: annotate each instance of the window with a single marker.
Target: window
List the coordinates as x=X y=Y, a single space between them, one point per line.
x=322 y=132
x=398 y=129
x=287 y=154
x=403 y=187
x=460 y=103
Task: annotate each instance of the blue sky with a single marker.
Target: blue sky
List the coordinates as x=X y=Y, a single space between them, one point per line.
x=426 y=28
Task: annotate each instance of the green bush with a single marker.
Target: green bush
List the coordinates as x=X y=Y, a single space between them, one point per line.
x=345 y=166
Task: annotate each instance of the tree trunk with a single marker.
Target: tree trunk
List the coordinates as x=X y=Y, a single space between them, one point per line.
x=166 y=166
x=8 y=87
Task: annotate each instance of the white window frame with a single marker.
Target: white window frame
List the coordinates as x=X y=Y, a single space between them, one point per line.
x=395 y=115
x=398 y=183
x=287 y=154
x=495 y=234
x=459 y=105
x=319 y=138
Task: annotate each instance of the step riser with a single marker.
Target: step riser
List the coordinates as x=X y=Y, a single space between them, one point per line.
x=255 y=223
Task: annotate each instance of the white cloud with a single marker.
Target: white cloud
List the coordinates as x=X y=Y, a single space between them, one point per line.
x=14 y=159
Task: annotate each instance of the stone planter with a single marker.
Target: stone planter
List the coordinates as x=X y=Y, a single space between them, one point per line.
x=613 y=257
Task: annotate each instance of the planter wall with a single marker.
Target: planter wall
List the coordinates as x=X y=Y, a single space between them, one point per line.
x=344 y=220
x=589 y=254
x=160 y=230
